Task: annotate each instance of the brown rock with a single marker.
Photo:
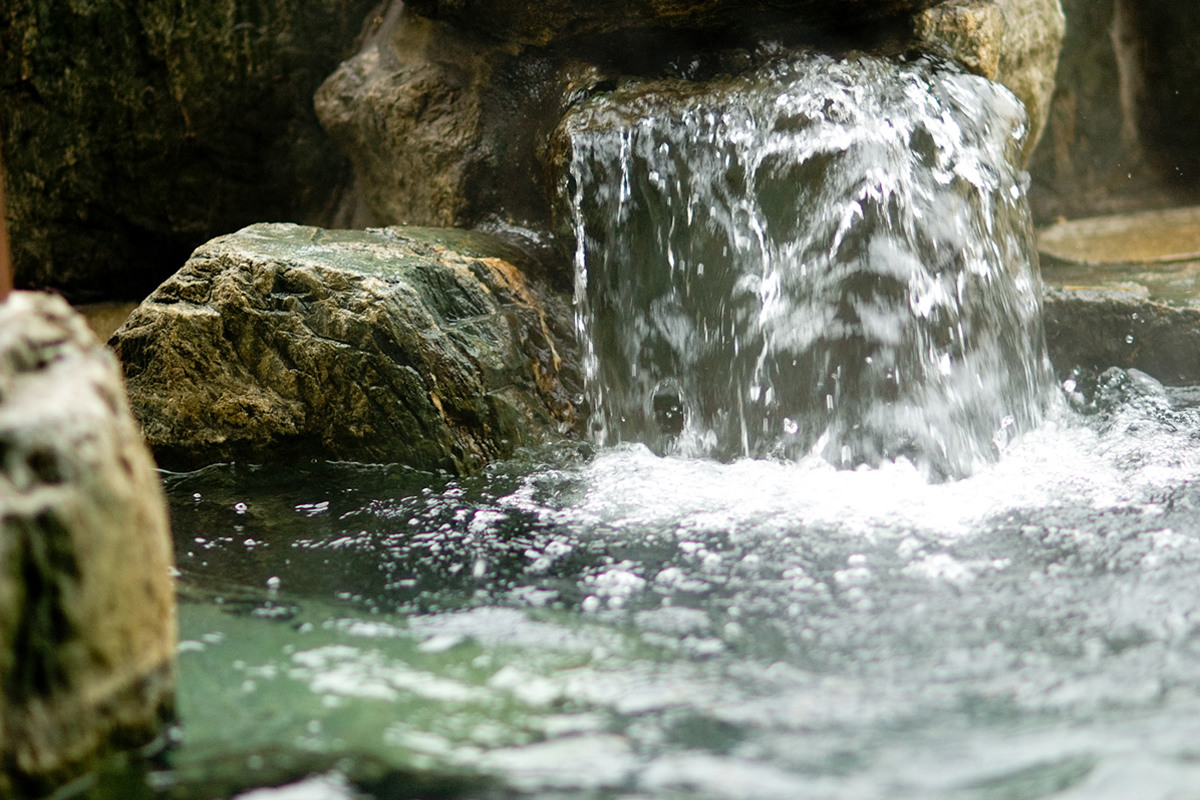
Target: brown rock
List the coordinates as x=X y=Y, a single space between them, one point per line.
x=87 y=602
x=425 y=347
x=1013 y=42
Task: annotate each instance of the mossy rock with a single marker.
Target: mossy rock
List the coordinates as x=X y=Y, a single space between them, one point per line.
x=430 y=348
x=134 y=130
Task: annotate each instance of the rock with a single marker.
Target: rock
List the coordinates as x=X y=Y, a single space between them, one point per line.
x=1120 y=133
x=135 y=130
x=1148 y=237
x=1100 y=327
x=87 y=604
x=440 y=125
x=529 y=22
x=971 y=33
x=448 y=124
x=1013 y=42
x=430 y=348
x=1124 y=291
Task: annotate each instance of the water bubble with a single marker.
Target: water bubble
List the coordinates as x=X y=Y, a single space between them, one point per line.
x=1129 y=339
x=240 y=507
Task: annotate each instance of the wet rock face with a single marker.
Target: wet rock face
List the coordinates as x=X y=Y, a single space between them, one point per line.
x=1013 y=42
x=430 y=348
x=1096 y=328
x=541 y=23
x=87 y=603
x=1121 y=130
x=440 y=124
x=448 y=109
x=135 y=130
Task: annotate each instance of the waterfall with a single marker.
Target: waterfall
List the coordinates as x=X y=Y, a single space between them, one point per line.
x=829 y=257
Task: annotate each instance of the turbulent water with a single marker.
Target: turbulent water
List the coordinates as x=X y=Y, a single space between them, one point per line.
x=829 y=256
x=628 y=625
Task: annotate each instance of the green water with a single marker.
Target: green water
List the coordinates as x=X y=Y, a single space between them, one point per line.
x=617 y=624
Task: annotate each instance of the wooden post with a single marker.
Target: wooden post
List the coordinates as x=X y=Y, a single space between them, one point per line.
x=6 y=265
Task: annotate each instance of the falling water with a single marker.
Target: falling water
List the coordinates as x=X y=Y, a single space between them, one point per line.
x=828 y=257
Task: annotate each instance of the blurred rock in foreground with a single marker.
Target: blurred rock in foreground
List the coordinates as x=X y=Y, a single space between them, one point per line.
x=87 y=602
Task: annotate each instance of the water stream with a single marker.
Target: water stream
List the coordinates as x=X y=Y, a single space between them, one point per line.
x=662 y=616
x=821 y=255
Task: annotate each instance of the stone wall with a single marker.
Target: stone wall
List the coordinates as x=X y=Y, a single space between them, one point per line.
x=135 y=130
x=1122 y=128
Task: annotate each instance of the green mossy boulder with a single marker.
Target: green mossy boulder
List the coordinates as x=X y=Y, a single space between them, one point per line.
x=427 y=347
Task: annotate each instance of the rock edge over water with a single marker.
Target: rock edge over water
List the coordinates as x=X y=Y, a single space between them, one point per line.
x=426 y=347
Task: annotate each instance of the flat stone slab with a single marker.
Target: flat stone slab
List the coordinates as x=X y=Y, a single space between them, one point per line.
x=1125 y=291
x=1151 y=237
x=426 y=347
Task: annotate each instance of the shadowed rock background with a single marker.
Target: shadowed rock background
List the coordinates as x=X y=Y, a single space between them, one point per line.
x=135 y=130
x=1122 y=128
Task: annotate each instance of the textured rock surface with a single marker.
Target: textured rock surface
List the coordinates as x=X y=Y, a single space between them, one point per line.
x=1101 y=327
x=135 y=130
x=424 y=347
x=1014 y=42
x=87 y=604
x=1121 y=131
x=412 y=111
x=540 y=22
x=447 y=125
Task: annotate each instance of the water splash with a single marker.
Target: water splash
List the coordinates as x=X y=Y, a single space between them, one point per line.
x=821 y=256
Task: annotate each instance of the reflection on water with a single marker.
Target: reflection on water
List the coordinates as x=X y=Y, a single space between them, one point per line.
x=622 y=624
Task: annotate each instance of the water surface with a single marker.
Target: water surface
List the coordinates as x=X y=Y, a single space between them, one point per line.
x=615 y=623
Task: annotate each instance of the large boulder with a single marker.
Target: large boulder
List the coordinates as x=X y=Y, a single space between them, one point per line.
x=448 y=108
x=135 y=130
x=87 y=601
x=432 y=348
